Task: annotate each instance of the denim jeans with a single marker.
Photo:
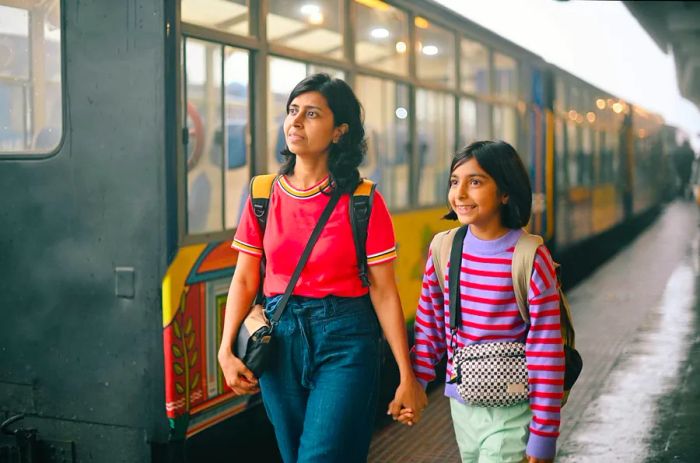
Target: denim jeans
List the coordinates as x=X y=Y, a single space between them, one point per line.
x=320 y=391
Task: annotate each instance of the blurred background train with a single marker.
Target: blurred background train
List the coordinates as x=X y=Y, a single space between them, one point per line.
x=129 y=131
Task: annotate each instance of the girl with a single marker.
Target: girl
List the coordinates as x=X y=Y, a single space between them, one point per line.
x=489 y=190
x=321 y=390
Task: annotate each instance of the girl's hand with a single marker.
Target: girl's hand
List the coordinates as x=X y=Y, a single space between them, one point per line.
x=409 y=402
x=238 y=376
x=539 y=460
x=406 y=416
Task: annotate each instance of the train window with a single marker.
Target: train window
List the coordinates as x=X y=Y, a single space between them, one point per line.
x=474 y=67
x=284 y=74
x=473 y=121
x=314 y=27
x=435 y=137
x=612 y=148
x=385 y=105
x=573 y=148
x=467 y=122
x=560 y=152
x=381 y=37
x=217 y=113
x=560 y=100
x=505 y=125
x=505 y=80
x=586 y=153
x=236 y=134
x=230 y=16
x=31 y=103
x=435 y=55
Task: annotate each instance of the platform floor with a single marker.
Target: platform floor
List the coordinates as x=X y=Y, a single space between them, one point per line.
x=637 y=321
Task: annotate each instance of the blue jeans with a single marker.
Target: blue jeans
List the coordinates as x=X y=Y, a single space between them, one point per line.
x=320 y=391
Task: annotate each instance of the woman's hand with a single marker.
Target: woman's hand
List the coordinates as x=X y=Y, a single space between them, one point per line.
x=238 y=376
x=409 y=401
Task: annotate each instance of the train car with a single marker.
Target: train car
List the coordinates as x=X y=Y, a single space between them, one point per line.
x=128 y=134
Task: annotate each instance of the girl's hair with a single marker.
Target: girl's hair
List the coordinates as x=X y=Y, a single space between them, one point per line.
x=345 y=156
x=502 y=163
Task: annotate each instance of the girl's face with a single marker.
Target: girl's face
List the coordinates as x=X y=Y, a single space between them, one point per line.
x=309 y=127
x=475 y=198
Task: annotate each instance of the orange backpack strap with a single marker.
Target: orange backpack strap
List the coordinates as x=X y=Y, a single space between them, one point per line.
x=521 y=269
x=260 y=191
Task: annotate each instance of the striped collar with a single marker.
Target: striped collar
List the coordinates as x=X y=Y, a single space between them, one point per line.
x=302 y=194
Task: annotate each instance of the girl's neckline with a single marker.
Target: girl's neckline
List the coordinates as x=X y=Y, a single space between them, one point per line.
x=494 y=246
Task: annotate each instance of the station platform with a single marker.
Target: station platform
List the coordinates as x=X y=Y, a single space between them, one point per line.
x=637 y=321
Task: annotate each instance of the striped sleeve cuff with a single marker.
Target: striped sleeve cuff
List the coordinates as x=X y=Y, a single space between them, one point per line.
x=539 y=446
x=380 y=257
x=246 y=248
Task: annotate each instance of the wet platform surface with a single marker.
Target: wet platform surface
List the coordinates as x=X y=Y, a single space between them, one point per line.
x=637 y=321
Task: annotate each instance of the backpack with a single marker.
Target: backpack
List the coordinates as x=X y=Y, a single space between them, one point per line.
x=521 y=271
x=359 y=211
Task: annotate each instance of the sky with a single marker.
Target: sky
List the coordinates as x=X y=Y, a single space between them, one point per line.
x=600 y=42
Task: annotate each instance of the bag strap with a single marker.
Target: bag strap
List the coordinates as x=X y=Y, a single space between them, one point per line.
x=360 y=209
x=304 y=256
x=521 y=269
x=453 y=278
x=260 y=192
x=440 y=251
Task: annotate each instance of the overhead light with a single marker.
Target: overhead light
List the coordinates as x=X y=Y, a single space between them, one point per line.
x=430 y=50
x=315 y=18
x=313 y=13
x=379 y=33
x=600 y=103
x=401 y=47
x=590 y=116
x=401 y=112
x=375 y=4
x=310 y=10
x=421 y=22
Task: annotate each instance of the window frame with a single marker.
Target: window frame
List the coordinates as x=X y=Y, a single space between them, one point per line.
x=40 y=156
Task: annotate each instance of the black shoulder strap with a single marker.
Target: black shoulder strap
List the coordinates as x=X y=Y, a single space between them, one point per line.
x=453 y=279
x=360 y=209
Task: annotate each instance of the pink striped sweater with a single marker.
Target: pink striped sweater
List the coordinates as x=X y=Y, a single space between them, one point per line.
x=489 y=314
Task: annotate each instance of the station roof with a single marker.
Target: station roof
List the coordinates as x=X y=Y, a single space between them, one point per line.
x=675 y=27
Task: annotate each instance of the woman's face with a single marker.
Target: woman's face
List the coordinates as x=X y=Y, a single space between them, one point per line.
x=475 y=198
x=309 y=127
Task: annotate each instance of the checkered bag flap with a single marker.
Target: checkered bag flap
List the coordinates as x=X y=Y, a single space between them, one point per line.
x=491 y=374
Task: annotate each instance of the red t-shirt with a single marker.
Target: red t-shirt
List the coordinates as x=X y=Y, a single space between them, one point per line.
x=332 y=265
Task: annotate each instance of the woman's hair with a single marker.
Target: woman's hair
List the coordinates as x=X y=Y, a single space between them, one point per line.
x=346 y=155
x=502 y=163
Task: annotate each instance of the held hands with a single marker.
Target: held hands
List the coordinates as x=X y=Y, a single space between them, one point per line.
x=238 y=376
x=409 y=402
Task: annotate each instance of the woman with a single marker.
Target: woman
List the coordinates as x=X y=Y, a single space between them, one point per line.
x=321 y=390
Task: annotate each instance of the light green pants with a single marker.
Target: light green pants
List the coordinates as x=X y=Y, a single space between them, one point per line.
x=491 y=434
